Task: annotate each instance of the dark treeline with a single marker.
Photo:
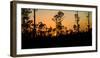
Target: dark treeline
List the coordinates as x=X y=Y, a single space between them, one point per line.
x=30 y=40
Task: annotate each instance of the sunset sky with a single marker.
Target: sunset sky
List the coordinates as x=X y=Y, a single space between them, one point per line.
x=68 y=19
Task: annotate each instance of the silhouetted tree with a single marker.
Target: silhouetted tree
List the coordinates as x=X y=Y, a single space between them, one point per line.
x=77 y=21
x=41 y=27
x=58 y=19
x=75 y=27
x=25 y=12
x=88 y=21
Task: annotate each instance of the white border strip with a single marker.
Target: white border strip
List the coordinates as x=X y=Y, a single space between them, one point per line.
x=50 y=50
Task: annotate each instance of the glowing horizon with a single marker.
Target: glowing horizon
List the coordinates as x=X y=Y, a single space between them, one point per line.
x=45 y=16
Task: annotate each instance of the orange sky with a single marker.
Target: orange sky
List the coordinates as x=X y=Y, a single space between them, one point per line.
x=68 y=19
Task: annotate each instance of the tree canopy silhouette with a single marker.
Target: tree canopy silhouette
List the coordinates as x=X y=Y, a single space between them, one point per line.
x=58 y=19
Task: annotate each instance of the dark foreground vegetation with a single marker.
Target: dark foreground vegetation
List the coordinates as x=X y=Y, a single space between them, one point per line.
x=69 y=40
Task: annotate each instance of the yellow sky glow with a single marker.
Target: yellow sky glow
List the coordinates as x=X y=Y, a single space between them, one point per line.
x=68 y=19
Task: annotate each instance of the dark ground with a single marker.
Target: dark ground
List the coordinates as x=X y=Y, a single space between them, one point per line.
x=79 y=39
